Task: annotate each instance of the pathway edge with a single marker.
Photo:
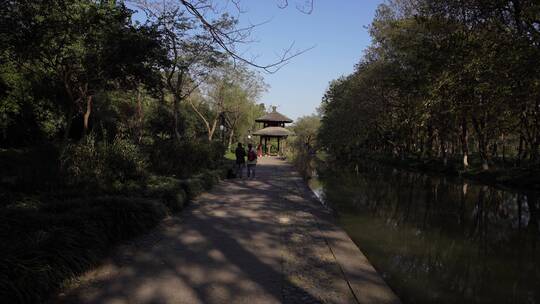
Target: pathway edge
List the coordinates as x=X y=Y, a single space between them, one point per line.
x=365 y=282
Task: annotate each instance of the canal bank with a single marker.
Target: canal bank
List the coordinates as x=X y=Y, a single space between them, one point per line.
x=262 y=240
x=438 y=239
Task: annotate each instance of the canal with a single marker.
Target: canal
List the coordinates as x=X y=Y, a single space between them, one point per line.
x=439 y=240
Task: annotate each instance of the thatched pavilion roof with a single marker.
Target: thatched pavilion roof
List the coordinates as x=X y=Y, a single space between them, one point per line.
x=273 y=132
x=274 y=116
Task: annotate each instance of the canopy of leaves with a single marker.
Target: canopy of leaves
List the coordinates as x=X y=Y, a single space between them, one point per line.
x=442 y=79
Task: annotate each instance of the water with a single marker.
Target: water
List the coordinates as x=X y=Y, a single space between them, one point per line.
x=438 y=240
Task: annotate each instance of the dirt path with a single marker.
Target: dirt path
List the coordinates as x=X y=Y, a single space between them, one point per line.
x=263 y=240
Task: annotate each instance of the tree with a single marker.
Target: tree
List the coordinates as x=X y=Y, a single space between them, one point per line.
x=304 y=142
x=75 y=47
x=230 y=92
x=440 y=76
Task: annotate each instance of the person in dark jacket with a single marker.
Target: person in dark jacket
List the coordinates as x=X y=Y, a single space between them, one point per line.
x=240 y=159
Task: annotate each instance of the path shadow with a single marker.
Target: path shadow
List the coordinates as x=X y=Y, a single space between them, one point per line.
x=226 y=248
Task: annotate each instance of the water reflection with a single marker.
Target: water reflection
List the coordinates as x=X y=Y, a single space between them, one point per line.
x=437 y=240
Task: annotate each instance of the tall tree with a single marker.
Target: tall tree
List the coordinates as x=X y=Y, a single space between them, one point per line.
x=80 y=48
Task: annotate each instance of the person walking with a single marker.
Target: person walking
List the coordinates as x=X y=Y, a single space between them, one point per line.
x=259 y=151
x=251 y=161
x=240 y=154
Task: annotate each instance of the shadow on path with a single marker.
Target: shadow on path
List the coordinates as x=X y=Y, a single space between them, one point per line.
x=246 y=241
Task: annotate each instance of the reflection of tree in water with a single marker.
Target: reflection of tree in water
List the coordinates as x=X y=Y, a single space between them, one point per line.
x=438 y=239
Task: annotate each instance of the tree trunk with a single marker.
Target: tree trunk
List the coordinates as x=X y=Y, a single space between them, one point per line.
x=176 y=104
x=536 y=144
x=86 y=116
x=141 y=117
x=484 y=157
x=520 y=149
x=212 y=129
x=444 y=152
x=494 y=150
x=231 y=135
x=429 y=149
x=482 y=144
x=534 y=151
x=503 y=143
x=176 y=116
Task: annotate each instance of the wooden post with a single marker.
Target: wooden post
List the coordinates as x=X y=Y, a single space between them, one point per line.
x=278 y=149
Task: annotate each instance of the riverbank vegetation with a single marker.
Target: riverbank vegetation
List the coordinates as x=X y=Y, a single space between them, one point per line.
x=108 y=123
x=302 y=145
x=446 y=86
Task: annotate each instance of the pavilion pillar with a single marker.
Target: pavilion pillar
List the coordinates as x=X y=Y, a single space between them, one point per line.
x=278 y=148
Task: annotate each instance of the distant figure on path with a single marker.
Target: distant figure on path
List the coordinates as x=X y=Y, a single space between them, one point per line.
x=240 y=160
x=252 y=161
x=259 y=150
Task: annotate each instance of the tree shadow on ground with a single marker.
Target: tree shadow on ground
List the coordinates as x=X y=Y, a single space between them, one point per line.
x=228 y=247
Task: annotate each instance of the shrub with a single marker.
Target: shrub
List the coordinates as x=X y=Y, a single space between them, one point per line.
x=206 y=180
x=42 y=248
x=193 y=187
x=185 y=159
x=31 y=169
x=169 y=190
x=103 y=165
x=216 y=175
x=209 y=178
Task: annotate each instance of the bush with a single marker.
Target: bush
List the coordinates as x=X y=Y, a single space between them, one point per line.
x=102 y=165
x=193 y=187
x=169 y=190
x=50 y=236
x=42 y=248
x=217 y=175
x=208 y=179
x=183 y=160
x=30 y=170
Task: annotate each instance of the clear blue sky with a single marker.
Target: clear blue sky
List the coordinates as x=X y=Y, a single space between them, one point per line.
x=337 y=30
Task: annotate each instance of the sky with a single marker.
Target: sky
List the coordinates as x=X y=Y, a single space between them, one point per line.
x=336 y=29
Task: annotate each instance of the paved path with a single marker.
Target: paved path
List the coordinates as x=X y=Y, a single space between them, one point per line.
x=263 y=240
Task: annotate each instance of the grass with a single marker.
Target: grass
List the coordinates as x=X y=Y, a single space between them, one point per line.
x=230 y=155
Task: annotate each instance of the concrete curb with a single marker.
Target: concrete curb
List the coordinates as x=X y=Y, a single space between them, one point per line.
x=366 y=284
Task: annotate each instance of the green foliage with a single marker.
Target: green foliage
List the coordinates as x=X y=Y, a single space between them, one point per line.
x=169 y=190
x=42 y=248
x=184 y=159
x=94 y=104
x=208 y=178
x=65 y=53
x=103 y=165
x=193 y=187
x=442 y=80
x=30 y=169
x=303 y=144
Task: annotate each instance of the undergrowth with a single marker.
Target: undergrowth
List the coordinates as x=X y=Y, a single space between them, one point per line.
x=62 y=212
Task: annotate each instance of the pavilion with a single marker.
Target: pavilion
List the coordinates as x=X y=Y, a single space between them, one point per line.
x=273 y=127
